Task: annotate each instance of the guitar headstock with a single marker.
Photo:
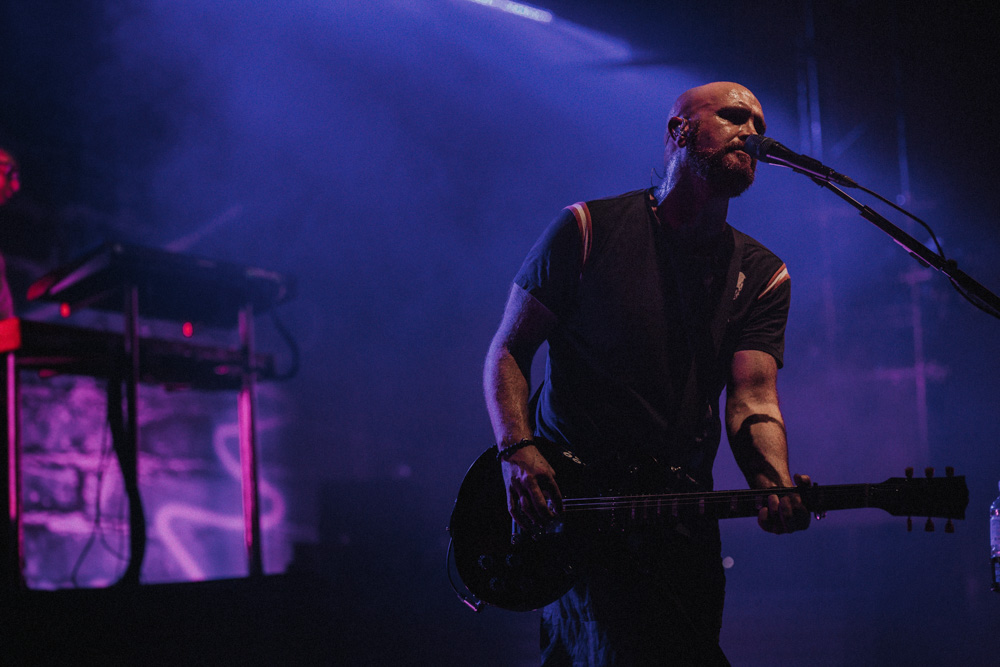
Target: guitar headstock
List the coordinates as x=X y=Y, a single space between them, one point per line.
x=938 y=497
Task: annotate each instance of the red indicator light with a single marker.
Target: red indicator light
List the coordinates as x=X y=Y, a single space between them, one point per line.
x=64 y=309
x=187 y=329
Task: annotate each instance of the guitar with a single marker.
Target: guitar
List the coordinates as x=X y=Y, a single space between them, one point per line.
x=506 y=567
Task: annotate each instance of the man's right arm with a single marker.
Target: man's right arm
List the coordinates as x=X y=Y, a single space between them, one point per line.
x=529 y=478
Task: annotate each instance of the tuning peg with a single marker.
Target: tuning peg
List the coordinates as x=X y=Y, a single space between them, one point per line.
x=909 y=472
x=949 y=527
x=929 y=526
x=929 y=472
x=949 y=471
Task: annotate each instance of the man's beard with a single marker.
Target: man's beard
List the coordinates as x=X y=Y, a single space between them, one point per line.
x=724 y=177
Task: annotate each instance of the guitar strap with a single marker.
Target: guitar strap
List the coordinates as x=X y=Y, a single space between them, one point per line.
x=724 y=308
x=533 y=405
x=704 y=369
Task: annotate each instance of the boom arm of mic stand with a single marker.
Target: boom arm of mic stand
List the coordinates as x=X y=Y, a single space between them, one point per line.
x=919 y=251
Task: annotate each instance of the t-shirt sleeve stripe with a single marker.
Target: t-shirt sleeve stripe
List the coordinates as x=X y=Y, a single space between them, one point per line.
x=582 y=215
x=780 y=276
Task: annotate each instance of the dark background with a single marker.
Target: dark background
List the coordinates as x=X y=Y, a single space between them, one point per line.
x=399 y=158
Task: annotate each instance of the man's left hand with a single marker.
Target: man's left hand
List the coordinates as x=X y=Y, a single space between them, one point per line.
x=786 y=514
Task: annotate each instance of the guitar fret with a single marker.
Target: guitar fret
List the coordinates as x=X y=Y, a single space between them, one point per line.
x=893 y=496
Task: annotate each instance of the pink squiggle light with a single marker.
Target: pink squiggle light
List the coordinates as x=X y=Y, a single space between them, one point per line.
x=274 y=501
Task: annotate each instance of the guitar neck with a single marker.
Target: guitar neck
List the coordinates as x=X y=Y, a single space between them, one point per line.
x=721 y=504
x=942 y=497
x=740 y=504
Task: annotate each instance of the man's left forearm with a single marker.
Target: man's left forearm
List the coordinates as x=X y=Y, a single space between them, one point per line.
x=757 y=437
x=754 y=423
x=760 y=447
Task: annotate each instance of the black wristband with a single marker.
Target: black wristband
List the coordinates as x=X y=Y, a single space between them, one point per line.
x=505 y=453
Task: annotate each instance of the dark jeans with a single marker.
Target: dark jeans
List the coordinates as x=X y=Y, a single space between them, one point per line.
x=648 y=599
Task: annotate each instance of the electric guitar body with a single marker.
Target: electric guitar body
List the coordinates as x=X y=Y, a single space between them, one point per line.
x=509 y=568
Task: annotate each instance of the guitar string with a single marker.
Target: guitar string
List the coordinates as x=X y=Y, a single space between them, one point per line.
x=879 y=495
x=712 y=498
x=853 y=496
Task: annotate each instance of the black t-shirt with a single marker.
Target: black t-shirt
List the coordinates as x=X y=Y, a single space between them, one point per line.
x=647 y=329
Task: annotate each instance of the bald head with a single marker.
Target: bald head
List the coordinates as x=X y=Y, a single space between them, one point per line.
x=718 y=93
x=706 y=131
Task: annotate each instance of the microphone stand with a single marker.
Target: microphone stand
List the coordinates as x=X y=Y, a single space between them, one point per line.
x=978 y=295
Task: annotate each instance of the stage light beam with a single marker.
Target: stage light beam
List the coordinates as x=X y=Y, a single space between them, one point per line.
x=519 y=9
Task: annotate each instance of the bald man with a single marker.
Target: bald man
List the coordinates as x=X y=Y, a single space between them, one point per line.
x=651 y=304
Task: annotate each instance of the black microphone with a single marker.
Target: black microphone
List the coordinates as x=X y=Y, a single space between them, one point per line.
x=768 y=150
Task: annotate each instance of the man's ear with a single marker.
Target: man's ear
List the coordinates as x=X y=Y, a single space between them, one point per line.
x=677 y=130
